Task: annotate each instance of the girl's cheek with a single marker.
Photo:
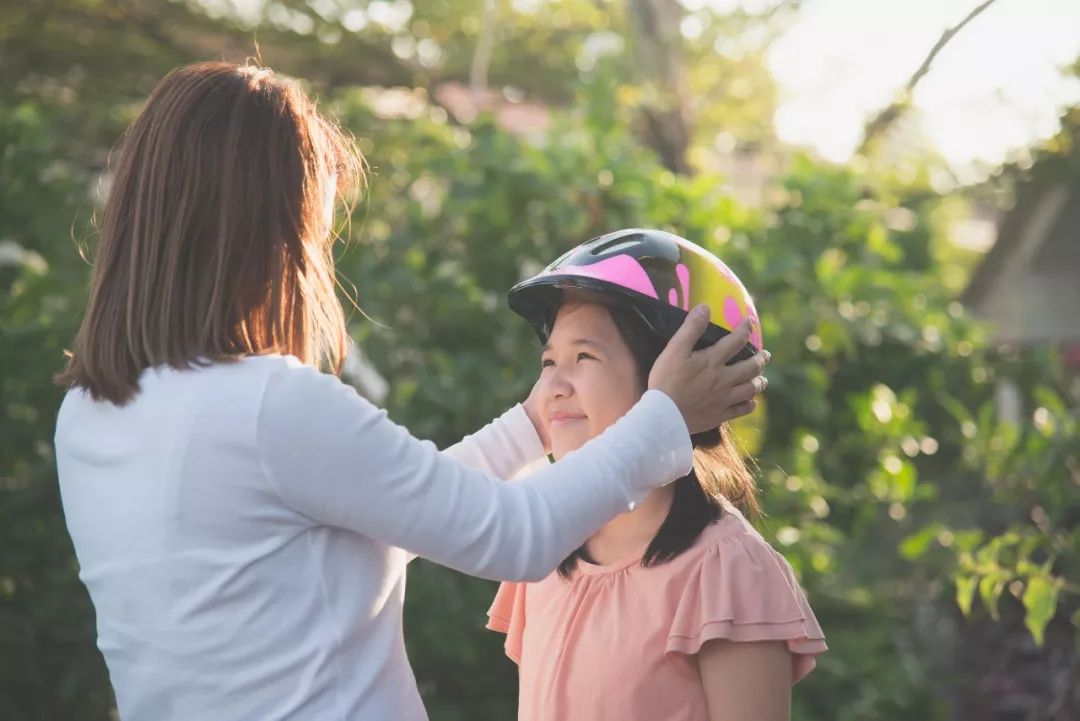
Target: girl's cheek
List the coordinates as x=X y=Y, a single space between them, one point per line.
x=584 y=379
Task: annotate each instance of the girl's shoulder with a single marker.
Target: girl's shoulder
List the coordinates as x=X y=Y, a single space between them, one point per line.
x=730 y=532
x=733 y=585
x=730 y=558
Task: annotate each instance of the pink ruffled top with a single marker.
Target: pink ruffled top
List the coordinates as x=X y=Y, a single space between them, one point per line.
x=617 y=641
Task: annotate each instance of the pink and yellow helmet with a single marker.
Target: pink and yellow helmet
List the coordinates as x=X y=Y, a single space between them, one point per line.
x=659 y=275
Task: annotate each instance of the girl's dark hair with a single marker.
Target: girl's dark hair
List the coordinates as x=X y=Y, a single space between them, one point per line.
x=719 y=472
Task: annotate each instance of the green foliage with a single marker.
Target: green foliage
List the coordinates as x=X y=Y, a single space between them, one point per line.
x=49 y=667
x=924 y=527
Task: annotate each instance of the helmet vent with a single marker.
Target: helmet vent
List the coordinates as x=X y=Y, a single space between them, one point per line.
x=617 y=244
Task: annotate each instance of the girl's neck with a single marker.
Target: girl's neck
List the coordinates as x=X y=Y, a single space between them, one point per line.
x=630 y=533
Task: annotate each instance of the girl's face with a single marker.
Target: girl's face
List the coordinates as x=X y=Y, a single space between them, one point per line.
x=588 y=377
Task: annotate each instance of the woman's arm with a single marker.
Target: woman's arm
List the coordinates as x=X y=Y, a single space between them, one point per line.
x=333 y=457
x=515 y=442
x=503 y=447
x=508 y=446
x=746 y=681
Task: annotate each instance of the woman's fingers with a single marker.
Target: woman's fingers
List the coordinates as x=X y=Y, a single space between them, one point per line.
x=741 y=409
x=707 y=390
x=744 y=370
x=682 y=343
x=744 y=392
x=729 y=346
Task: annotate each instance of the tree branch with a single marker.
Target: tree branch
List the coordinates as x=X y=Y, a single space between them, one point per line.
x=884 y=119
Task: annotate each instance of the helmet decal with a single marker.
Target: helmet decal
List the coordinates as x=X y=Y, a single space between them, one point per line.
x=619 y=269
x=683 y=274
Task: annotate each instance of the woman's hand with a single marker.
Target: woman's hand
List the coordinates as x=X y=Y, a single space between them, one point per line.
x=706 y=389
x=532 y=408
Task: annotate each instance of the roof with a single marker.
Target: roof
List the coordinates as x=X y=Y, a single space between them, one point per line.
x=1043 y=227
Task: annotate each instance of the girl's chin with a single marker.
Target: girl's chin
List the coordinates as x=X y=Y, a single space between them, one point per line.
x=561 y=446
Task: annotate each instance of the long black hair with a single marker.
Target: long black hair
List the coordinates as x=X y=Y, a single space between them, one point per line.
x=720 y=470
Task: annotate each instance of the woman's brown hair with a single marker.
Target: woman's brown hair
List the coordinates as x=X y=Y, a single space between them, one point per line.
x=720 y=471
x=214 y=241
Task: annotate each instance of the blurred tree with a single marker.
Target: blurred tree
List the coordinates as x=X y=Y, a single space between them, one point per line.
x=49 y=665
x=890 y=483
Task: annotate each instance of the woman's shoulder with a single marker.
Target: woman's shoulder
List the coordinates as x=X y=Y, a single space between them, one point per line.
x=243 y=383
x=200 y=385
x=288 y=381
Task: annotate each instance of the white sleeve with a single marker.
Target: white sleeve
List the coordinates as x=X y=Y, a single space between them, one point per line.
x=503 y=447
x=335 y=458
x=508 y=447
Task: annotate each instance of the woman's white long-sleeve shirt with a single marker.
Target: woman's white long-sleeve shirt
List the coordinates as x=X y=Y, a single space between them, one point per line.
x=243 y=530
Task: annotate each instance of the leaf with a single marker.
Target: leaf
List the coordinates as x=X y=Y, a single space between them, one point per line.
x=915 y=546
x=967 y=540
x=1040 y=600
x=904 y=483
x=990 y=588
x=965 y=592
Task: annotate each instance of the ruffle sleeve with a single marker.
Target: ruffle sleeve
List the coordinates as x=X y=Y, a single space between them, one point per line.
x=507 y=615
x=743 y=590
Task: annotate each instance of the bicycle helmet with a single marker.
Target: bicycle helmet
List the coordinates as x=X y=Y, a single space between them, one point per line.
x=659 y=275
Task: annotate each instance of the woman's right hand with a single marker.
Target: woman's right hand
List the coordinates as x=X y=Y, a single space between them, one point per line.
x=706 y=390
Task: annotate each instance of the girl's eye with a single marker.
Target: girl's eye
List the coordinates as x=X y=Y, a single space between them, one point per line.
x=585 y=356
x=547 y=363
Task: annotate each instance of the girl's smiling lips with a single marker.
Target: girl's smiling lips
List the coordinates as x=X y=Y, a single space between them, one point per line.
x=560 y=417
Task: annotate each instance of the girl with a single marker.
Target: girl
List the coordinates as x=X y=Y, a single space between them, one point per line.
x=677 y=610
x=242 y=521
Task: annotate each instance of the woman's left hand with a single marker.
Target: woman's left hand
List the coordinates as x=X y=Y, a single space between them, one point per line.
x=532 y=407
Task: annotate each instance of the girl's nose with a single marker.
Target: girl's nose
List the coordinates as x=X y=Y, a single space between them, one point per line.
x=559 y=385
